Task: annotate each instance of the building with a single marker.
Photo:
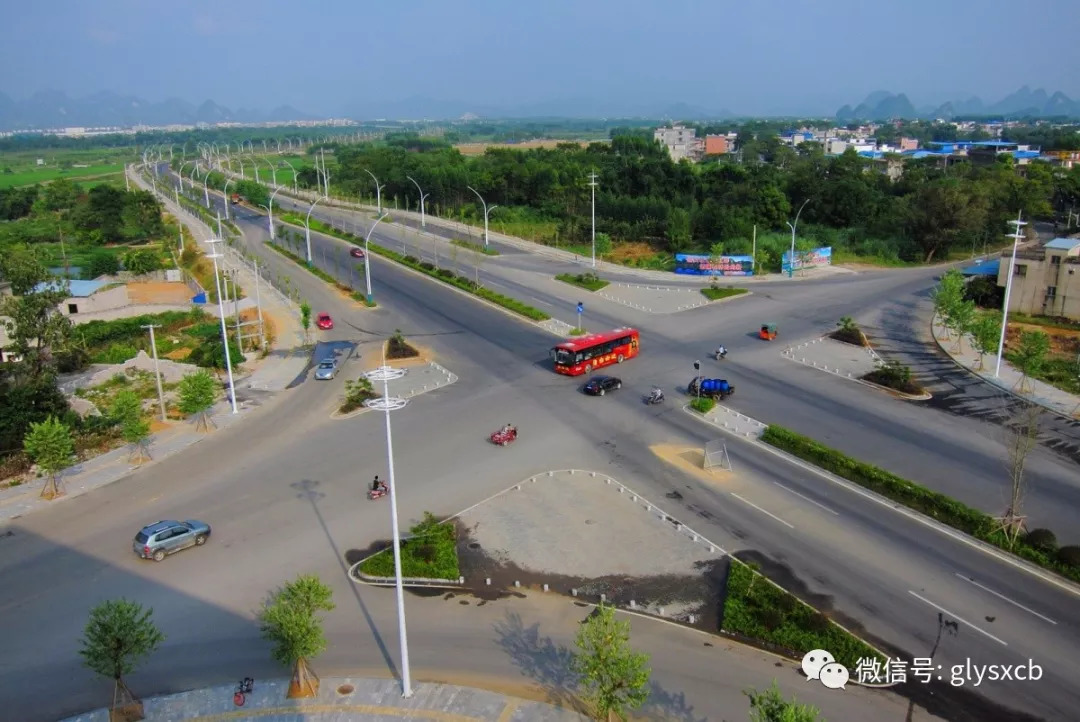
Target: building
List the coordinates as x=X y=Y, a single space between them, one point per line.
x=909 y=144
x=1062 y=158
x=91 y=297
x=718 y=144
x=1046 y=281
x=680 y=141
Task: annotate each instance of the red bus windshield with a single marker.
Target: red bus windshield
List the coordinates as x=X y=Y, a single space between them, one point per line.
x=584 y=354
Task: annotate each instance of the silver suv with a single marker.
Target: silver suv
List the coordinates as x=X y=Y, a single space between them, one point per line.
x=158 y=540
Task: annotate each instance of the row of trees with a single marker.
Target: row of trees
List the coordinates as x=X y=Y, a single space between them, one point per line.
x=644 y=196
x=63 y=210
x=614 y=678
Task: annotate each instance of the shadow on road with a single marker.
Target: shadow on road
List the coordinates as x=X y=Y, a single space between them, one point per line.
x=541 y=660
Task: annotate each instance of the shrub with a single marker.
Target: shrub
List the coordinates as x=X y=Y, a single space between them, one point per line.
x=427 y=265
x=446 y=273
x=1042 y=539
x=588 y=281
x=410 y=260
x=1070 y=556
x=398 y=348
x=714 y=293
x=356 y=393
x=430 y=552
x=894 y=375
x=116 y=353
x=849 y=332
x=703 y=404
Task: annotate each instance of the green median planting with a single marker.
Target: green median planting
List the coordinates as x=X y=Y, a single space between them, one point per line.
x=428 y=269
x=756 y=609
x=430 y=552
x=978 y=524
x=588 y=281
x=477 y=247
x=355 y=295
x=714 y=293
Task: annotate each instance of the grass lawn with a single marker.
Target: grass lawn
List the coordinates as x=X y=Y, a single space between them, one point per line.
x=715 y=294
x=44 y=174
x=79 y=256
x=180 y=335
x=756 y=608
x=478 y=247
x=588 y=281
x=429 y=553
x=141 y=382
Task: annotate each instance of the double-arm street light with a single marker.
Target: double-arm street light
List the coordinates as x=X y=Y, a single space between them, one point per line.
x=487 y=210
x=225 y=193
x=294 y=186
x=792 y=226
x=270 y=210
x=307 y=232
x=378 y=191
x=423 y=223
x=367 y=257
x=273 y=172
x=221 y=312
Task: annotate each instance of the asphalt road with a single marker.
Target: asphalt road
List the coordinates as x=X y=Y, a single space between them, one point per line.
x=283 y=497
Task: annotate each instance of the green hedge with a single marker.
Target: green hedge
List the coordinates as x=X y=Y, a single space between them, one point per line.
x=478 y=247
x=588 y=281
x=756 y=608
x=703 y=404
x=429 y=553
x=715 y=294
x=428 y=269
x=313 y=269
x=914 y=496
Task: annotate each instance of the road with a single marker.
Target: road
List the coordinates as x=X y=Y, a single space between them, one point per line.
x=283 y=498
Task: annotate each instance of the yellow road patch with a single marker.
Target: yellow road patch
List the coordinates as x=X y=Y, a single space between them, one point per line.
x=689 y=459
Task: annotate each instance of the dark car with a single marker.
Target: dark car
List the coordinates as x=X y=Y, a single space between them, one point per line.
x=356 y=252
x=158 y=540
x=599 y=385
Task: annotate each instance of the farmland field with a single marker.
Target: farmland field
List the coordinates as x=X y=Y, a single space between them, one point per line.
x=46 y=174
x=480 y=148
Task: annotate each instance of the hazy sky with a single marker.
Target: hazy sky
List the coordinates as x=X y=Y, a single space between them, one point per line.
x=338 y=56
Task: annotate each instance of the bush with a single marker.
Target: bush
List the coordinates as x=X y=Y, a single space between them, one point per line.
x=427 y=265
x=714 y=293
x=116 y=353
x=142 y=261
x=477 y=247
x=896 y=376
x=849 y=332
x=410 y=260
x=703 y=404
x=1069 y=556
x=398 y=348
x=429 y=553
x=588 y=281
x=102 y=263
x=356 y=393
x=1042 y=539
x=931 y=503
x=446 y=273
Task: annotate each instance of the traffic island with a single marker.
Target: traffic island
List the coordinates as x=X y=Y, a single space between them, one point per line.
x=667 y=299
x=847 y=353
x=428 y=556
x=587 y=281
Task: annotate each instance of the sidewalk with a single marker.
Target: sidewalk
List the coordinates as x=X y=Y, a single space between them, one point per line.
x=1052 y=398
x=346 y=699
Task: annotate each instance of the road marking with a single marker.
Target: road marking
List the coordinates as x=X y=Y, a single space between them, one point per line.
x=969 y=580
x=806 y=498
x=943 y=610
x=774 y=516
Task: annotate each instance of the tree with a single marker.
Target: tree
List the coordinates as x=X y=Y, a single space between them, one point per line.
x=1021 y=435
x=603 y=245
x=289 y=621
x=118 y=635
x=770 y=706
x=948 y=294
x=197 y=396
x=50 y=445
x=986 y=334
x=678 y=229
x=34 y=326
x=615 y=678
x=142 y=261
x=102 y=263
x=127 y=411
x=961 y=319
x=1030 y=355
x=944 y=213
x=305 y=319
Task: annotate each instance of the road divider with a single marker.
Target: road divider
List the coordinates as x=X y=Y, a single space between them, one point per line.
x=318 y=272
x=428 y=269
x=937 y=506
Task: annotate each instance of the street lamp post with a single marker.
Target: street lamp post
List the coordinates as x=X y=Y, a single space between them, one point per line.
x=367 y=258
x=792 y=226
x=378 y=191
x=225 y=193
x=241 y=162
x=224 y=331
x=255 y=165
x=1016 y=236
x=592 y=186
x=486 y=212
x=294 y=186
x=180 y=172
x=206 y=188
x=388 y=403
x=307 y=231
x=423 y=222
x=157 y=369
x=270 y=210
x=273 y=172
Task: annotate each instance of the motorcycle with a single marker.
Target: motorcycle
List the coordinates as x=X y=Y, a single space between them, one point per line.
x=379 y=493
x=719 y=354
x=656 y=397
x=502 y=437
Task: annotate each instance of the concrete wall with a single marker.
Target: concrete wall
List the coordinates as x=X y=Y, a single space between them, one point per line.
x=104 y=300
x=1029 y=289
x=112 y=314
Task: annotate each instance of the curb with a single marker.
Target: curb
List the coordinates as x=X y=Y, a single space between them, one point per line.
x=957 y=535
x=411 y=393
x=789 y=353
x=976 y=374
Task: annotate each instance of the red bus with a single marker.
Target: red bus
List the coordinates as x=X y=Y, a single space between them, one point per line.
x=581 y=355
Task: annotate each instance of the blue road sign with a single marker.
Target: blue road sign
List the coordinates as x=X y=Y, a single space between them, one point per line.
x=580 y=307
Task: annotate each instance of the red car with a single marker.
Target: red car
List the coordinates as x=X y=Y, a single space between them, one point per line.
x=356 y=252
x=324 y=321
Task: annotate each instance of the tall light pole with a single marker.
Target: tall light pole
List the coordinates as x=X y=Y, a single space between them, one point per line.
x=307 y=231
x=225 y=192
x=224 y=331
x=194 y=170
x=1016 y=235
x=367 y=257
x=180 y=172
x=206 y=188
x=273 y=172
x=255 y=165
x=792 y=226
x=294 y=186
x=378 y=191
x=241 y=162
x=423 y=223
x=486 y=212
x=157 y=370
x=270 y=210
x=388 y=403
x=592 y=186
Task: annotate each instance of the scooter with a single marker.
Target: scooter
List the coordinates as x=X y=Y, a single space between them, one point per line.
x=656 y=397
x=379 y=493
x=720 y=355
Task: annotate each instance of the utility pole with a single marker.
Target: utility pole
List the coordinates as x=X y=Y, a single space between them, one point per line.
x=258 y=307
x=236 y=310
x=592 y=185
x=220 y=235
x=1016 y=236
x=753 y=251
x=157 y=369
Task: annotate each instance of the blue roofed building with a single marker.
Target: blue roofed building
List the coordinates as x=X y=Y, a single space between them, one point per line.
x=88 y=296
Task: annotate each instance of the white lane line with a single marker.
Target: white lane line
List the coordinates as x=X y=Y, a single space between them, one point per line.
x=1002 y=597
x=774 y=516
x=806 y=498
x=943 y=610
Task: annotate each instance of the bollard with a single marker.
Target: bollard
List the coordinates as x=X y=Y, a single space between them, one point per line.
x=691 y=619
x=571 y=472
x=517 y=487
x=603 y=598
x=694 y=537
x=551 y=473
x=661 y=611
x=633 y=497
x=573 y=592
x=609 y=481
x=487 y=581
x=592 y=474
x=620 y=489
x=545 y=587
x=517 y=583
x=632 y=604
x=461 y=580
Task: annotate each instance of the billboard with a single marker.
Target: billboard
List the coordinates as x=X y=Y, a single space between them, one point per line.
x=704 y=265
x=813 y=258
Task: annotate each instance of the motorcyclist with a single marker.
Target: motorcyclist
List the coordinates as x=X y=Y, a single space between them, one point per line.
x=721 y=351
x=657 y=394
x=377 y=485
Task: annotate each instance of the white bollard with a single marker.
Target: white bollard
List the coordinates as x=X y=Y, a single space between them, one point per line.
x=592 y=474
x=545 y=587
x=603 y=598
x=633 y=605
x=573 y=592
x=691 y=619
x=487 y=581
x=461 y=580
x=660 y=611
x=517 y=583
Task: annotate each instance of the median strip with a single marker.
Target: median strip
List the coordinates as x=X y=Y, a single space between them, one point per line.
x=439 y=274
x=318 y=272
x=975 y=523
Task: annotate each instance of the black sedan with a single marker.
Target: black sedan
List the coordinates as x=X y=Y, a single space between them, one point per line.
x=599 y=385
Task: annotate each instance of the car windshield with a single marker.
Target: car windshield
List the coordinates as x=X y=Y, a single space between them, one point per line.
x=562 y=356
x=326 y=365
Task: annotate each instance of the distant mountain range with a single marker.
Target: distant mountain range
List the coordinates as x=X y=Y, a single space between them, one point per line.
x=883 y=105
x=422 y=107
x=53 y=109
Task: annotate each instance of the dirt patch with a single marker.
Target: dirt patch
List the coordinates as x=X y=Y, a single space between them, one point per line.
x=690 y=460
x=178 y=354
x=631 y=251
x=147 y=292
x=1063 y=341
x=156 y=424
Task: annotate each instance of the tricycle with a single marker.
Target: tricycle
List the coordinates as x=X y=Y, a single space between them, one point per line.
x=504 y=436
x=712 y=388
x=768 y=331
